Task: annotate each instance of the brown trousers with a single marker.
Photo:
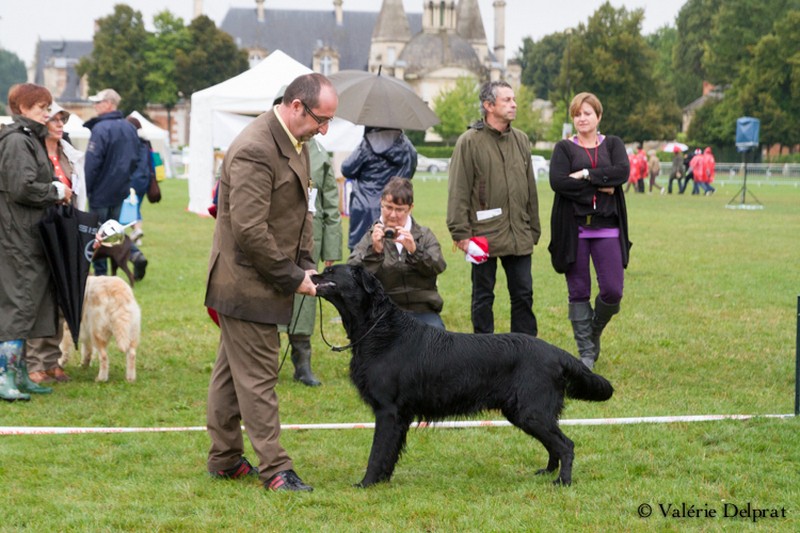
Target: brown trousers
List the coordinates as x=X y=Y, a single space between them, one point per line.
x=43 y=354
x=242 y=388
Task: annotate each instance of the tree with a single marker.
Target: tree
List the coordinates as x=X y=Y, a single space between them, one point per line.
x=170 y=36
x=12 y=71
x=211 y=57
x=735 y=30
x=693 y=24
x=118 y=58
x=769 y=85
x=611 y=59
x=457 y=109
x=541 y=63
x=528 y=120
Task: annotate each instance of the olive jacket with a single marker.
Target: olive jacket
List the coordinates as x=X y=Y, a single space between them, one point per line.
x=408 y=279
x=27 y=297
x=492 y=190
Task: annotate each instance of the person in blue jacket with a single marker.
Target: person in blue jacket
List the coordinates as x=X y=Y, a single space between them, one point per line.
x=111 y=158
x=382 y=154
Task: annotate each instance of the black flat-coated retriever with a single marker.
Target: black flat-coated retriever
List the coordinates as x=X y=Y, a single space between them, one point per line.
x=405 y=369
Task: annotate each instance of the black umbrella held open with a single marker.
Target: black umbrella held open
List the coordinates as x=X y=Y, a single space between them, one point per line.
x=380 y=101
x=67 y=235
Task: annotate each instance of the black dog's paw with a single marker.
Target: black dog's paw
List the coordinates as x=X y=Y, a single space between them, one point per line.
x=543 y=471
x=562 y=482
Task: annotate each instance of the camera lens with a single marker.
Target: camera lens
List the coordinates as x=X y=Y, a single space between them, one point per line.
x=388 y=234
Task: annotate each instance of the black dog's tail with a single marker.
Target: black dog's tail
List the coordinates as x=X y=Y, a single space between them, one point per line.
x=583 y=384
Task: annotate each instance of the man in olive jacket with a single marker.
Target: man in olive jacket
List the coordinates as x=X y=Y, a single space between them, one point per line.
x=492 y=194
x=260 y=257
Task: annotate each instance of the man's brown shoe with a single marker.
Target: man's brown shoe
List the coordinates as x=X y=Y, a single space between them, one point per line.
x=40 y=377
x=58 y=374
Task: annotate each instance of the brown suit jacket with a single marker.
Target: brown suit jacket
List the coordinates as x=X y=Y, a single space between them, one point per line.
x=264 y=236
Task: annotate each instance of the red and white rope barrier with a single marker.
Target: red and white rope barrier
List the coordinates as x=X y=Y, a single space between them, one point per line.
x=44 y=430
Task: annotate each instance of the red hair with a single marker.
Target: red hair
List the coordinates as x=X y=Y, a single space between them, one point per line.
x=27 y=95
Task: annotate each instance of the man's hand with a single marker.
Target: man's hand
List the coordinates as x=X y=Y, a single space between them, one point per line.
x=377 y=237
x=404 y=237
x=463 y=245
x=307 y=286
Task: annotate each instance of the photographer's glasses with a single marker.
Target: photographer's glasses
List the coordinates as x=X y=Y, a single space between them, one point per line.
x=321 y=121
x=396 y=209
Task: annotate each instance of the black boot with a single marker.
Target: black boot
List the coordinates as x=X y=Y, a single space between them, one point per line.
x=301 y=357
x=580 y=314
x=602 y=316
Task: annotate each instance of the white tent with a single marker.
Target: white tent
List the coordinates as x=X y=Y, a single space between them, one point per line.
x=220 y=112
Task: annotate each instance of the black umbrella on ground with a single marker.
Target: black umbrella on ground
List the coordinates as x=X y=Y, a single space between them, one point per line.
x=67 y=235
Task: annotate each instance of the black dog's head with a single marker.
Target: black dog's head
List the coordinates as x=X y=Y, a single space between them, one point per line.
x=355 y=293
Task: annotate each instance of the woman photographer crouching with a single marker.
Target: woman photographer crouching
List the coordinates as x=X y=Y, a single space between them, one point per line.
x=404 y=256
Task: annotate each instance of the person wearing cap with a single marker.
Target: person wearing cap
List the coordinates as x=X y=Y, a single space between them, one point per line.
x=42 y=354
x=323 y=204
x=111 y=159
x=260 y=257
x=27 y=189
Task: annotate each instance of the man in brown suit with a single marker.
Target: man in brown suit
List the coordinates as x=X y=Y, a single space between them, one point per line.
x=260 y=257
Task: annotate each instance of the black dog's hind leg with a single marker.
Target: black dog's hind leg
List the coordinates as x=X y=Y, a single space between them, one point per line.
x=559 y=447
x=387 y=444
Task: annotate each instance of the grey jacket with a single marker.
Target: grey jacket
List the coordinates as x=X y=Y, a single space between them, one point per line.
x=27 y=299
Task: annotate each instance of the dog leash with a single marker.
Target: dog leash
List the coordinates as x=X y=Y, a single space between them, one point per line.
x=347 y=347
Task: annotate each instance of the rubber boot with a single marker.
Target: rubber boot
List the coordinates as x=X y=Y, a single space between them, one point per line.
x=24 y=381
x=602 y=316
x=10 y=351
x=580 y=314
x=301 y=357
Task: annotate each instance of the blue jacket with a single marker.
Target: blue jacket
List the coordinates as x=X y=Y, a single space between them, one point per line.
x=371 y=168
x=144 y=171
x=111 y=158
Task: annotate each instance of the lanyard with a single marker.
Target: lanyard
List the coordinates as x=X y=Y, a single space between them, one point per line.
x=592 y=161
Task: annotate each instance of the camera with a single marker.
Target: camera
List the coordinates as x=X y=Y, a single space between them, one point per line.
x=388 y=233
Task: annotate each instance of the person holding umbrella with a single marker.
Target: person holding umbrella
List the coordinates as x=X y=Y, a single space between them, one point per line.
x=42 y=354
x=383 y=154
x=27 y=188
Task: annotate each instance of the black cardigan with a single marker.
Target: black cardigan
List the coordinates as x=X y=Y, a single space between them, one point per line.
x=576 y=197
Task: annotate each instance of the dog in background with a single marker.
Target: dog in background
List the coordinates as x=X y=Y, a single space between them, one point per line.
x=405 y=369
x=119 y=254
x=109 y=308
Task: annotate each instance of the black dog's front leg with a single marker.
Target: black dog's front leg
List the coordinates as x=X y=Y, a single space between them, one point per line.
x=387 y=443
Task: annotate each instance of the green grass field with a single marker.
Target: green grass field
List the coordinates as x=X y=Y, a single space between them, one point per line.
x=708 y=326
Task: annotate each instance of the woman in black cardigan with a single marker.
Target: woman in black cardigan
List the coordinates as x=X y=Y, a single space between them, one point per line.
x=589 y=220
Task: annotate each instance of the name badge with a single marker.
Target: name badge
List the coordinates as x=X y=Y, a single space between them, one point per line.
x=312 y=200
x=488 y=213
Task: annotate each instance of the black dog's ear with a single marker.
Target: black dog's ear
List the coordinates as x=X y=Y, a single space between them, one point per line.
x=366 y=280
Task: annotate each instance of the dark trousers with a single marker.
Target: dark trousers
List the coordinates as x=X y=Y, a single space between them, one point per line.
x=520 y=290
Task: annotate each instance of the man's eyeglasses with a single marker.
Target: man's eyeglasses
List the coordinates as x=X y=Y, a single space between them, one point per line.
x=318 y=119
x=397 y=209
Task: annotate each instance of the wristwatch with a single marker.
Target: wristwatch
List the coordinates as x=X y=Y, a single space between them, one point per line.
x=585 y=174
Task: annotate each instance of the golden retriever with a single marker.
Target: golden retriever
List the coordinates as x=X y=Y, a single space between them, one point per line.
x=109 y=308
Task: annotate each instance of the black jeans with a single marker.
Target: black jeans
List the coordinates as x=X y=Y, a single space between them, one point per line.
x=520 y=290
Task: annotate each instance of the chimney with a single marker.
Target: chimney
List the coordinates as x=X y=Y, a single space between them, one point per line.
x=500 y=31
x=337 y=7
x=260 y=10
x=198 y=8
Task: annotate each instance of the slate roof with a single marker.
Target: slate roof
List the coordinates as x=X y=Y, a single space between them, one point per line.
x=299 y=32
x=65 y=54
x=427 y=52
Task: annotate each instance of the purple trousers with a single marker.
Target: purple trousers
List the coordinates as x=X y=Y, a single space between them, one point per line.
x=606 y=256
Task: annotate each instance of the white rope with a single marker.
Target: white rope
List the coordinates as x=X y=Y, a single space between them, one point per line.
x=44 y=430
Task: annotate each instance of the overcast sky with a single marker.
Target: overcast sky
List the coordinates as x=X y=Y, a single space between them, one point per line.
x=23 y=22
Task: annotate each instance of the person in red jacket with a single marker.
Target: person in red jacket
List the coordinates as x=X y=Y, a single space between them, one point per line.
x=708 y=171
